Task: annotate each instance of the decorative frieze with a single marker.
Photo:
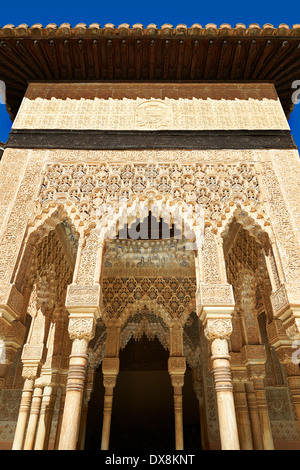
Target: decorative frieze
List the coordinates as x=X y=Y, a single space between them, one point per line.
x=151 y=114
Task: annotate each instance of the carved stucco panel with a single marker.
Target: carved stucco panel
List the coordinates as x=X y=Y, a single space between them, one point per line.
x=17 y=222
x=287 y=168
x=284 y=230
x=12 y=167
x=150 y=114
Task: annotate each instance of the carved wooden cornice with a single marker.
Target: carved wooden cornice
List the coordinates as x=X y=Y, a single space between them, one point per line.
x=137 y=53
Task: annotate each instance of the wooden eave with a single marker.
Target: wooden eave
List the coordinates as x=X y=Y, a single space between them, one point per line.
x=93 y=53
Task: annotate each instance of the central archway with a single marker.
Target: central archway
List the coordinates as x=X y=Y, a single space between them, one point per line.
x=143 y=415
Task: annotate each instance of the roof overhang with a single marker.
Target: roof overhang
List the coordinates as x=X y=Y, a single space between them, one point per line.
x=83 y=53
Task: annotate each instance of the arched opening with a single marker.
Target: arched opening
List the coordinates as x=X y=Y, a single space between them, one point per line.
x=252 y=272
x=143 y=415
x=148 y=284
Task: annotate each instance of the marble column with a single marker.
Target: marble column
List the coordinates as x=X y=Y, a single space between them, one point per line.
x=177 y=368
x=45 y=419
x=24 y=409
x=257 y=375
x=254 y=417
x=110 y=370
x=242 y=413
x=81 y=331
x=34 y=416
x=218 y=331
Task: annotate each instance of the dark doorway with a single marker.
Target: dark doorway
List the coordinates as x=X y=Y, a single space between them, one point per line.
x=143 y=413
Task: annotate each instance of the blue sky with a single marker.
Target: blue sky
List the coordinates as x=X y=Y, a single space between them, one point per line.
x=156 y=11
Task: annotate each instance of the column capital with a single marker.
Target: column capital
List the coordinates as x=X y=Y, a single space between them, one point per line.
x=177 y=368
x=110 y=370
x=218 y=327
x=81 y=326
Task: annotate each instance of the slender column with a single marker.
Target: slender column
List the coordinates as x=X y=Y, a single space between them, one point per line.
x=46 y=413
x=218 y=331
x=254 y=418
x=242 y=413
x=33 y=355
x=107 y=410
x=89 y=386
x=110 y=369
x=81 y=330
x=177 y=368
x=34 y=416
x=257 y=375
x=23 y=413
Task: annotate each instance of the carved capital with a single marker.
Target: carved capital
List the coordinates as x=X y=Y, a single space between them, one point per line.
x=257 y=374
x=30 y=372
x=177 y=368
x=219 y=328
x=110 y=370
x=81 y=328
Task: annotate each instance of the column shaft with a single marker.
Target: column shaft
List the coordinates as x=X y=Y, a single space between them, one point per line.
x=23 y=415
x=179 y=440
x=254 y=421
x=263 y=413
x=107 y=411
x=110 y=369
x=33 y=418
x=73 y=402
x=242 y=416
x=177 y=368
x=225 y=402
x=46 y=413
